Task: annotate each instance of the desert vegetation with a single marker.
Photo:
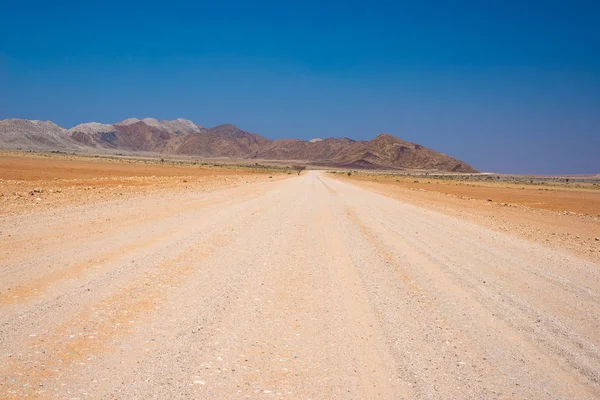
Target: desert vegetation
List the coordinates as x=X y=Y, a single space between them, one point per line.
x=298 y=168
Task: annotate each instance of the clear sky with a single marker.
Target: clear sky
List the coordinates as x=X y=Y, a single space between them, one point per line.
x=507 y=86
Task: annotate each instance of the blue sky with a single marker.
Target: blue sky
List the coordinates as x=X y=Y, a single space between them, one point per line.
x=507 y=86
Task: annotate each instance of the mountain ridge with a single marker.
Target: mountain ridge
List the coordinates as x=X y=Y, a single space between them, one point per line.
x=184 y=137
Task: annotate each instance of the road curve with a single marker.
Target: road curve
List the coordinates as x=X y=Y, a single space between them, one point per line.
x=306 y=287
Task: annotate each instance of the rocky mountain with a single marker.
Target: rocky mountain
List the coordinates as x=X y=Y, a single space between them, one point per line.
x=387 y=151
x=94 y=134
x=178 y=126
x=220 y=141
x=183 y=137
x=34 y=135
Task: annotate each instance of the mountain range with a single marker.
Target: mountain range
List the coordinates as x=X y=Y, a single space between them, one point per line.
x=183 y=137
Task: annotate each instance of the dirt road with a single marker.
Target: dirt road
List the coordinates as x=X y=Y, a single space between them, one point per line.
x=306 y=287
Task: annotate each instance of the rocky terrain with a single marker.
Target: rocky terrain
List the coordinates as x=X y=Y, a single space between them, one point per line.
x=565 y=216
x=183 y=137
x=31 y=183
x=35 y=135
x=145 y=281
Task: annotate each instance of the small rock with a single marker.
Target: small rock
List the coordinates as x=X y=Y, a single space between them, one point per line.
x=597 y=239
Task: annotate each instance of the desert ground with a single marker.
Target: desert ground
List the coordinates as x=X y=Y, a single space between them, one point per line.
x=137 y=280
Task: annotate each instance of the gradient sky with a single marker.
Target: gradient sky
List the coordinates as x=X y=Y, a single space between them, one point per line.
x=507 y=86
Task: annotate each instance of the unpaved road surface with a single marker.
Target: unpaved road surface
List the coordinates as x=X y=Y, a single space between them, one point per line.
x=307 y=287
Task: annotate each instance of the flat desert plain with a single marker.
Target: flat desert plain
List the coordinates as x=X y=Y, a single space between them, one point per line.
x=135 y=280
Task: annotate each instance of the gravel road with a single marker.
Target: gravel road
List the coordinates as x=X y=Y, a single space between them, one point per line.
x=306 y=287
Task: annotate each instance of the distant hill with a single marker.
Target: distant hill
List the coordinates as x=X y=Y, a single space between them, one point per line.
x=35 y=135
x=183 y=137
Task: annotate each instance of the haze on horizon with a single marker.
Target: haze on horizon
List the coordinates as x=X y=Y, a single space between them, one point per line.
x=512 y=87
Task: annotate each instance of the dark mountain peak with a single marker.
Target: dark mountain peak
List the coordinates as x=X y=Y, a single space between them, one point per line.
x=225 y=127
x=227 y=130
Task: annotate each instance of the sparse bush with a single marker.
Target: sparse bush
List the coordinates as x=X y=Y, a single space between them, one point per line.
x=298 y=168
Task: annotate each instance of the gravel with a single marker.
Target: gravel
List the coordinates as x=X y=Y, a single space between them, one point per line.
x=305 y=287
